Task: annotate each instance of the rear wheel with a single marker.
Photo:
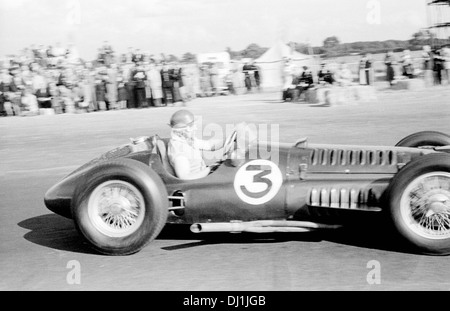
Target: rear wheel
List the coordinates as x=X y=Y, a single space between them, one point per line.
x=121 y=207
x=419 y=204
x=427 y=139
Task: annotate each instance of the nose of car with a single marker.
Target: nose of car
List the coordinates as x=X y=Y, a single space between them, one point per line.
x=57 y=203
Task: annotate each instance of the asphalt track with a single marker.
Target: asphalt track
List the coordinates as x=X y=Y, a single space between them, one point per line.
x=39 y=250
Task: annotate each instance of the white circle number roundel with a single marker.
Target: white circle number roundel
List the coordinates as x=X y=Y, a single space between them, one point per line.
x=258 y=182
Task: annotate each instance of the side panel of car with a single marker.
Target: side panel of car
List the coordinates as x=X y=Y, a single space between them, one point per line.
x=334 y=189
x=253 y=190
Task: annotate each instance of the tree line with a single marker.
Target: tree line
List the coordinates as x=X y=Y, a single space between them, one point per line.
x=332 y=47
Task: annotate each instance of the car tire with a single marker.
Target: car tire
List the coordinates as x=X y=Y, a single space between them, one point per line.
x=121 y=207
x=425 y=139
x=418 y=201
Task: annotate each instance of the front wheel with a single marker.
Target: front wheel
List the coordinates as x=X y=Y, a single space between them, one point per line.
x=419 y=204
x=121 y=207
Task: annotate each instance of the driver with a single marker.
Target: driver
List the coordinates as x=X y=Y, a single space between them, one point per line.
x=185 y=150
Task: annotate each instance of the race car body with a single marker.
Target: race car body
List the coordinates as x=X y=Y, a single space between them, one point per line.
x=121 y=200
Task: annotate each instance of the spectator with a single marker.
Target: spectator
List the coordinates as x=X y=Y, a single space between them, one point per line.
x=154 y=77
x=182 y=83
x=139 y=78
x=257 y=76
x=107 y=54
x=6 y=87
x=407 y=64
x=57 y=103
x=90 y=75
x=100 y=91
x=111 y=86
x=138 y=57
x=362 y=70
x=427 y=67
x=68 y=97
x=167 y=84
x=306 y=81
x=18 y=87
x=128 y=69
x=122 y=94
x=446 y=58
x=390 y=62
x=248 y=71
x=438 y=66
x=26 y=76
x=44 y=98
x=325 y=76
x=42 y=56
x=288 y=72
x=148 y=90
x=29 y=103
x=85 y=94
x=77 y=97
x=38 y=81
x=177 y=83
x=369 y=70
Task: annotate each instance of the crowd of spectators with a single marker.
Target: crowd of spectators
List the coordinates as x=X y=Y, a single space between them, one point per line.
x=433 y=66
x=55 y=79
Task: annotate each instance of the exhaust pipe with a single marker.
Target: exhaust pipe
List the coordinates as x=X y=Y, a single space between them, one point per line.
x=263 y=226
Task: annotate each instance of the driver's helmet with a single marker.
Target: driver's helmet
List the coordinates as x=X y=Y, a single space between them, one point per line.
x=182 y=119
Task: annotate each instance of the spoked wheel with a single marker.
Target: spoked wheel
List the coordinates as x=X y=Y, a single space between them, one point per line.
x=116 y=208
x=122 y=206
x=425 y=205
x=419 y=203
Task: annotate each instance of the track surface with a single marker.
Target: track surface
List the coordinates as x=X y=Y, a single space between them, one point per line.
x=38 y=248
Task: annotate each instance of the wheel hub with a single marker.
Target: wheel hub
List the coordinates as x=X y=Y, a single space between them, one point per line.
x=438 y=203
x=116 y=208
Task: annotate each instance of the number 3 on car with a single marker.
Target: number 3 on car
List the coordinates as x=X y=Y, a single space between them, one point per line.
x=258 y=182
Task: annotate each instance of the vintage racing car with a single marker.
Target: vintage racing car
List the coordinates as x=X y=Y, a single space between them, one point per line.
x=121 y=200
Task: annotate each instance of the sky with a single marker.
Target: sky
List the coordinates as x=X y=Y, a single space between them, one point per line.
x=202 y=26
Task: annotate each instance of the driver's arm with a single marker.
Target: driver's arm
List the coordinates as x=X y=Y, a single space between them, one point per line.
x=210 y=145
x=182 y=169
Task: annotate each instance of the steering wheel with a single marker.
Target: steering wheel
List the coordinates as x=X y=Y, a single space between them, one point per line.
x=229 y=144
x=227 y=149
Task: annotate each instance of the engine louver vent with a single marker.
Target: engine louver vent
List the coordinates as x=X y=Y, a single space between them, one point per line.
x=339 y=157
x=342 y=198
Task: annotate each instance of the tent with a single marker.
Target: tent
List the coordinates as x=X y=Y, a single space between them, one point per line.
x=279 y=63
